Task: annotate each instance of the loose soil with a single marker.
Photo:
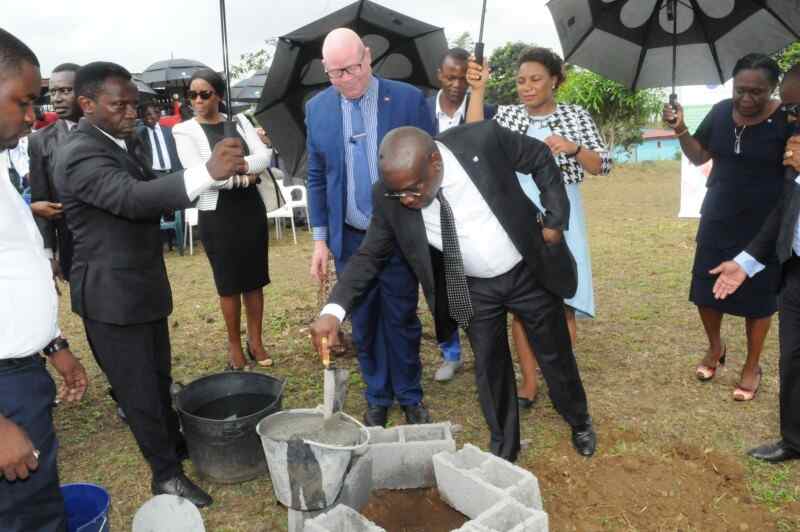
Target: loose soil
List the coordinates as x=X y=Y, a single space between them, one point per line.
x=417 y=510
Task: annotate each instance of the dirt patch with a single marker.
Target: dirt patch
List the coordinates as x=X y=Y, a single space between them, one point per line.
x=675 y=487
x=418 y=510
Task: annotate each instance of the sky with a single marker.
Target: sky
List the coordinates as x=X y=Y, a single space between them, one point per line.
x=136 y=34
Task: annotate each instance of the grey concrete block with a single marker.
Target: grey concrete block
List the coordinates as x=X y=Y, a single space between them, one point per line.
x=510 y=516
x=472 y=481
x=357 y=485
x=402 y=457
x=341 y=519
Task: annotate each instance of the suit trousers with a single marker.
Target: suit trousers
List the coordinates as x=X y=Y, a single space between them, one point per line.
x=137 y=362
x=789 y=334
x=386 y=330
x=542 y=314
x=26 y=397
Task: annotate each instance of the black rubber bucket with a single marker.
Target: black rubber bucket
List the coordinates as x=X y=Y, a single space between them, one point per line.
x=219 y=414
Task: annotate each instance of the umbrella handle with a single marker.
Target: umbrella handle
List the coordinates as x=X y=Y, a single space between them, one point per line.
x=479 y=53
x=230 y=128
x=673 y=99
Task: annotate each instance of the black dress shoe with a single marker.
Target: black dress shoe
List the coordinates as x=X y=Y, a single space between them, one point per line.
x=416 y=414
x=375 y=416
x=584 y=439
x=181 y=486
x=774 y=452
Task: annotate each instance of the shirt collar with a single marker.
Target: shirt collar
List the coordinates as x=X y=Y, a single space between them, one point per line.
x=460 y=112
x=70 y=124
x=118 y=142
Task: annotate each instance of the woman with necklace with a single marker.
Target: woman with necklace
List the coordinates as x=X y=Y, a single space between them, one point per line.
x=575 y=142
x=744 y=137
x=232 y=217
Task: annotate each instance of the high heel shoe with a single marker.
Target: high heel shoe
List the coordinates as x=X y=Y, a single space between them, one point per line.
x=706 y=373
x=267 y=362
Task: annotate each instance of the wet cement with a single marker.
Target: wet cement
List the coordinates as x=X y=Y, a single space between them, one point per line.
x=338 y=430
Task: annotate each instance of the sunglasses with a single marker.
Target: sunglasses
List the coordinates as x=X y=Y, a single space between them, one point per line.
x=205 y=95
x=792 y=109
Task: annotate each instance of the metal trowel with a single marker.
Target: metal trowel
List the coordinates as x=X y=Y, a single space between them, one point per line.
x=334 y=384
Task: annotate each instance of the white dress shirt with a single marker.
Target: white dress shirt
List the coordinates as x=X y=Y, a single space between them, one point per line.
x=156 y=135
x=196 y=180
x=28 y=299
x=446 y=121
x=486 y=248
x=751 y=265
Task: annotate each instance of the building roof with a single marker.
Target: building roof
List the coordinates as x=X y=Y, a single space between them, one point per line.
x=657 y=134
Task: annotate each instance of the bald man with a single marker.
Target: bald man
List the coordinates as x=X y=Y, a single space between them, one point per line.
x=345 y=125
x=456 y=204
x=780 y=234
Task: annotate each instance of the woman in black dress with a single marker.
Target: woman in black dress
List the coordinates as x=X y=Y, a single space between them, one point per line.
x=744 y=137
x=232 y=217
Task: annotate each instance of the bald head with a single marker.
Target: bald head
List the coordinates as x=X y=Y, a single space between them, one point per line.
x=347 y=62
x=410 y=162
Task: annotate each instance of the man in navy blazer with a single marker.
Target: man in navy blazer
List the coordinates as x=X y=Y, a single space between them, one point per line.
x=345 y=125
x=158 y=141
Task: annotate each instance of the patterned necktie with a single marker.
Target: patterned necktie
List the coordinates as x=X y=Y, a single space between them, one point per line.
x=361 y=175
x=157 y=144
x=457 y=291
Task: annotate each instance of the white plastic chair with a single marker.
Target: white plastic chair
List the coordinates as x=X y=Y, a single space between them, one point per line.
x=190 y=220
x=290 y=204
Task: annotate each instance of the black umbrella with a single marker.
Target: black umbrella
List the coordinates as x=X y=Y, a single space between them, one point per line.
x=249 y=90
x=145 y=91
x=402 y=48
x=171 y=72
x=658 y=43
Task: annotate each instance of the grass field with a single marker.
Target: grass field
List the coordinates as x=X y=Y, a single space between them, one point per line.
x=671 y=449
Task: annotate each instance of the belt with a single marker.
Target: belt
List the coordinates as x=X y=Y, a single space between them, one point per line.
x=21 y=361
x=355 y=229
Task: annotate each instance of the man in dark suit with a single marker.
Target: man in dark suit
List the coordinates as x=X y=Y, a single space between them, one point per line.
x=780 y=234
x=448 y=109
x=118 y=283
x=345 y=125
x=458 y=201
x=42 y=149
x=158 y=141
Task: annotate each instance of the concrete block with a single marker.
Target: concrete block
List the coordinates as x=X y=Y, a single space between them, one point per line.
x=472 y=481
x=510 y=516
x=341 y=519
x=357 y=485
x=402 y=457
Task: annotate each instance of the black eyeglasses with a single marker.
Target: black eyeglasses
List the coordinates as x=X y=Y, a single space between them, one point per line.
x=353 y=70
x=792 y=109
x=205 y=95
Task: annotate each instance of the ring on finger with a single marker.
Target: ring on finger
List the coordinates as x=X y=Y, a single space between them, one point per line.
x=36 y=453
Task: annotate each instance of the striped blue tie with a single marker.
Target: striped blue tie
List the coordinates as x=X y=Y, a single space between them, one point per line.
x=361 y=175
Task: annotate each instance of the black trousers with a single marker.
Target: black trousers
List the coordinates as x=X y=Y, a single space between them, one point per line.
x=137 y=362
x=789 y=333
x=542 y=314
x=26 y=397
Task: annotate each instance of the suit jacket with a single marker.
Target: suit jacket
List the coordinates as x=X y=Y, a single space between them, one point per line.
x=113 y=205
x=777 y=233
x=399 y=104
x=491 y=155
x=42 y=147
x=169 y=140
x=488 y=110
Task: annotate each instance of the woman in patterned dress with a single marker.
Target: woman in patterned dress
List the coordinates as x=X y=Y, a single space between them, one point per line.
x=575 y=142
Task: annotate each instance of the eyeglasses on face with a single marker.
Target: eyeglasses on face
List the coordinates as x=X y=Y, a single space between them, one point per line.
x=353 y=70
x=402 y=194
x=205 y=95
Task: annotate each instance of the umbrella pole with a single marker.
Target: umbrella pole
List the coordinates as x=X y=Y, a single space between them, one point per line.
x=673 y=97
x=230 y=125
x=479 y=44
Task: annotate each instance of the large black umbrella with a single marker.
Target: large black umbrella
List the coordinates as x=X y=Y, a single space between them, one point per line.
x=658 y=43
x=402 y=48
x=249 y=90
x=145 y=91
x=171 y=72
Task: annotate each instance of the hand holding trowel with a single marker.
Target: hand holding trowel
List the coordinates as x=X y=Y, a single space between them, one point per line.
x=335 y=381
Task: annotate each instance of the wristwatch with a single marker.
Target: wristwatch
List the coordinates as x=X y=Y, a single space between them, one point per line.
x=55 y=346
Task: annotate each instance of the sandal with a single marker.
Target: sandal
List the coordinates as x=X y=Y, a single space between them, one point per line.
x=706 y=373
x=267 y=362
x=747 y=394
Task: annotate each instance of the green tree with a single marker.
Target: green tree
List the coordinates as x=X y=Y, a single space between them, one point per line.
x=789 y=56
x=619 y=113
x=501 y=89
x=252 y=61
x=463 y=40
